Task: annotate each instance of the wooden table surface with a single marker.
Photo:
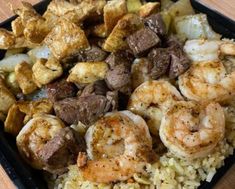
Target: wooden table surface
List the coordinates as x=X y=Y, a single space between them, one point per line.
x=227 y=7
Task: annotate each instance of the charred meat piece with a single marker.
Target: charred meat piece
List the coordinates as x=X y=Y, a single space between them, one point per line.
x=61 y=151
x=120 y=57
x=92 y=54
x=142 y=41
x=118 y=77
x=179 y=62
x=97 y=88
x=156 y=24
x=86 y=109
x=159 y=62
x=91 y=108
x=67 y=110
x=60 y=89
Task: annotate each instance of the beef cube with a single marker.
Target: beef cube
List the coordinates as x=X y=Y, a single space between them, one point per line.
x=179 y=62
x=118 y=77
x=60 y=89
x=67 y=110
x=156 y=24
x=120 y=57
x=159 y=62
x=142 y=41
x=61 y=151
x=86 y=109
x=91 y=108
x=93 y=54
x=97 y=88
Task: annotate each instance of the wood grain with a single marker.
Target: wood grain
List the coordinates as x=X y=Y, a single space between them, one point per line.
x=5 y=7
x=5 y=181
x=226 y=7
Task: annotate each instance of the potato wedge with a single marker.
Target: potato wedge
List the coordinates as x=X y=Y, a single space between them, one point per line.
x=45 y=71
x=14 y=121
x=23 y=72
x=65 y=39
x=125 y=27
x=8 y=64
x=113 y=11
x=149 y=8
x=87 y=72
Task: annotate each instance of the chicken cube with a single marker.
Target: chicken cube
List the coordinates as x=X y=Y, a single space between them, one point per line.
x=31 y=108
x=17 y=27
x=23 y=73
x=88 y=72
x=65 y=39
x=14 y=120
x=45 y=71
x=6 y=99
x=7 y=39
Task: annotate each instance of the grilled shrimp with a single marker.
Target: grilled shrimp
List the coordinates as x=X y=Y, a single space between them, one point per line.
x=35 y=135
x=151 y=99
x=208 y=50
x=207 y=81
x=190 y=130
x=119 y=145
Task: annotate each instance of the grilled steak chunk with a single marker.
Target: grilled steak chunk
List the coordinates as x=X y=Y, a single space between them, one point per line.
x=159 y=62
x=60 y=89
x=142 y=41
x=156 y=24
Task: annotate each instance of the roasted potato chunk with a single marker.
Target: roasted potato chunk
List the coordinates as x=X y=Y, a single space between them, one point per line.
x=45 y=71
x=149 y=8
x=6 y=98
x=87 y=72
x=24 y=77
x=14 y=120
x=125 y=27
x=31 y=108
x=7 y=39
x=113 y=11
x=65 y=39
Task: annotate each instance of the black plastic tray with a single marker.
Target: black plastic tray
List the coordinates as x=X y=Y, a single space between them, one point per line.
x=25 y=177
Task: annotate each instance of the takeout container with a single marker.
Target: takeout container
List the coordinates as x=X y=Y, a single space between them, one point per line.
x=24 y=177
